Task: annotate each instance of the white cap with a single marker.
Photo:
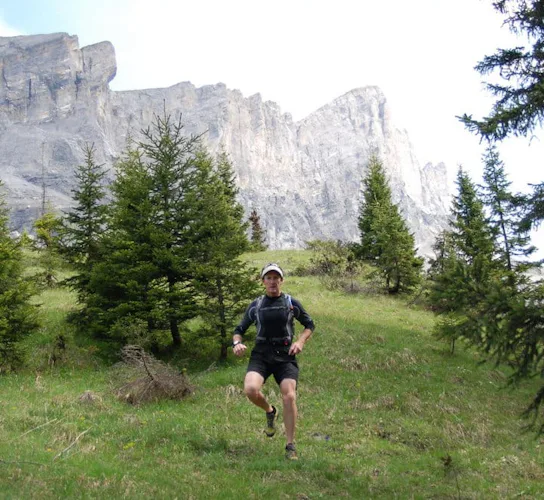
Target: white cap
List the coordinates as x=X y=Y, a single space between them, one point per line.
x=271 y=267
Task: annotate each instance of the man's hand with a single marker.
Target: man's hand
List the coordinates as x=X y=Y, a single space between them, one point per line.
x=296 y=347
x=239 y=349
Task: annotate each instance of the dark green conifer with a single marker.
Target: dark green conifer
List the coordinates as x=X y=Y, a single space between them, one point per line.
x=18 y=318
x=385 y=240
x=223 y=282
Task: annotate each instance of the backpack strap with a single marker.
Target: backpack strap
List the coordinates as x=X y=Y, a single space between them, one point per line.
x=290 y=315
x=257 y=318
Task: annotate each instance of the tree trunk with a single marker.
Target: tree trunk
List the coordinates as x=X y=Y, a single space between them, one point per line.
x=222 y=329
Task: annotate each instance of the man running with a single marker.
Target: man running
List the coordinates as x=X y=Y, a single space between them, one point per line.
x=274 y=352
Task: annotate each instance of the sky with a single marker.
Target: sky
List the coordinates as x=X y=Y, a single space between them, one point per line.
x=302 y=54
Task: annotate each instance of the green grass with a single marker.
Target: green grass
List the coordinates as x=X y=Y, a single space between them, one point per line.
x=385 y=412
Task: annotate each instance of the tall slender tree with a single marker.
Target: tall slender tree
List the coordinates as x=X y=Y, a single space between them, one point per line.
x=513 y=241
x=464 y=267
x=223 y=281
x=376 y=194
x=385 y=239
x=85 y=223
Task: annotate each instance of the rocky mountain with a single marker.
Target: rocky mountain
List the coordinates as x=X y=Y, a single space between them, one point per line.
x=303 y=178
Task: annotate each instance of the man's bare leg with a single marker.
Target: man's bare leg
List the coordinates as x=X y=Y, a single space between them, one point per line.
x=288 y=388
x=253 y=384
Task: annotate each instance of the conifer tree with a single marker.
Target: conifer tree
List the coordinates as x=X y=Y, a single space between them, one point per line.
x=464 y=268
x=258 y=238
x=18 y=318
x=505 y=218
x=146 y=273
x=519 y=105
x=225 y=283
x=376 y=193
x=84 y=224
x=122 y=285
x=385 y=239
x=396 y=258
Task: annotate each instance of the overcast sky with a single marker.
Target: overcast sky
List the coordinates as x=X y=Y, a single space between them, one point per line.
x=302 y=54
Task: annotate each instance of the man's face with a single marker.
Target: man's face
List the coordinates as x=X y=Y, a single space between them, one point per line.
x=272 y=282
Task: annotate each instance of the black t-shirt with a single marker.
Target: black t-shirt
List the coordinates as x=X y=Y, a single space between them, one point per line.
x=272 y=318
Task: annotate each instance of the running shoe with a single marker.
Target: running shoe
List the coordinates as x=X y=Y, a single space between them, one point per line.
x=270 y=422
x=291 y=452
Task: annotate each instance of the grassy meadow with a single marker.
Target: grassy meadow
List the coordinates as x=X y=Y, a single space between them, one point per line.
x=385 y=411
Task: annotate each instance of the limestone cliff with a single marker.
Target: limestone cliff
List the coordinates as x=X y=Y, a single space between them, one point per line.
x=303 y=177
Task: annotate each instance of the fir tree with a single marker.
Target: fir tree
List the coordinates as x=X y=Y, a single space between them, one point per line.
x=18 y=318
x=85 y=223
x=385 y=239
x=146 y=272
x=396 y=258
x=505 y=219
x=376 y=193
x=464 y=268
x=224 y=283
x=519 y=105
x=258 y=237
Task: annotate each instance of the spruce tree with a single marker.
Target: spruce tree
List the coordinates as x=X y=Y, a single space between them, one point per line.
x=397 y=260
x=224 y=283
x=385 y=239
x=122 y=287
x=465 y=267
x=376 y=194
x=84 y=224
x=146 y=271
x=18 y=318
x=258 y=237
x=505 y=218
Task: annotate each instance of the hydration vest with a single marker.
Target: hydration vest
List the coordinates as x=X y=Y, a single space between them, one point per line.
x=288 y=304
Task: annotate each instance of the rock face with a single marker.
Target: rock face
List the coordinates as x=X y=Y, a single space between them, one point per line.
x=303 y=178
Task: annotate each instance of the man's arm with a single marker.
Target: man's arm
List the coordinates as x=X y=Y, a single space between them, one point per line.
x=298 y=345
x=238 y=347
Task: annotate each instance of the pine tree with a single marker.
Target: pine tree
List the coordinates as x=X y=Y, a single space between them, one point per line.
x=376 y=193
x=519 y=105
x=464 y=267
x=223 y=281
x=505 y=219
x=396 y=258
x=146 y=272
x=385 y=239
x=258 y=237
x=122 y=286
x=85 y=223
x=18 y=318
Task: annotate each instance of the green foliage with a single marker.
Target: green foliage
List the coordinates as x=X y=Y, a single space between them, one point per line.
x=512 y=239
x=84 y=224
x=393 y=417
x=519 y=107
x=464 y=263
x=258 y=237
x=385 y=239
x=18 y=318
x=47 y=229
x=225 y=283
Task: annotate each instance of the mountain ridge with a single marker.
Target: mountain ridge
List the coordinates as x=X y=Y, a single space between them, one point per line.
x=303 y=177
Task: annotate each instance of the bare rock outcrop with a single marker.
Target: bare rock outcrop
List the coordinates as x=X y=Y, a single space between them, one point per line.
x=303 y=178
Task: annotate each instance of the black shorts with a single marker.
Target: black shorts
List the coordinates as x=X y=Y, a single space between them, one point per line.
x=269 y=361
